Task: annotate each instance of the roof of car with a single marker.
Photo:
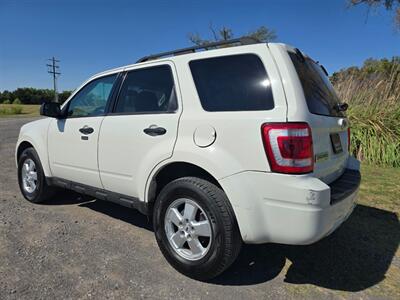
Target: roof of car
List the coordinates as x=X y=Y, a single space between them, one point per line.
x=189 y=51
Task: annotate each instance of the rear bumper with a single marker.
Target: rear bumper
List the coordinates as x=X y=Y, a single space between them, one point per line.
x=296 y=210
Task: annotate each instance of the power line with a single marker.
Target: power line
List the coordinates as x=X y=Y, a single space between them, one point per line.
x=54 y=69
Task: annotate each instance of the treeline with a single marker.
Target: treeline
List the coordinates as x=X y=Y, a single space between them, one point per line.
x=31 y=96
x=370 y=70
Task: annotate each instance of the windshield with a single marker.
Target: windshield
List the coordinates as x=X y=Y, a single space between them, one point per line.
x=320 y=95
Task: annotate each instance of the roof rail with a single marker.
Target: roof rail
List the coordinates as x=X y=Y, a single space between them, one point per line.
x=245 y=40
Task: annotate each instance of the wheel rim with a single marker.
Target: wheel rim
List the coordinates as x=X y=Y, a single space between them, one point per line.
x=188 y=229
x=29 y=176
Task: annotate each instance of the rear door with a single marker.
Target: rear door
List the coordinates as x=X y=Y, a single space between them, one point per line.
x=141 y=130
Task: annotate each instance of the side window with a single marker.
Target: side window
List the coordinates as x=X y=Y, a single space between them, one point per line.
x=147 y=90
x=232 y=83
x=91 y=100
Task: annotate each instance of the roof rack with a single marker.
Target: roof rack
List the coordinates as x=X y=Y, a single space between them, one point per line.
x=246 y=40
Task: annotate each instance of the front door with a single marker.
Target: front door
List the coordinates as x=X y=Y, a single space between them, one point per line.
x=72 y=142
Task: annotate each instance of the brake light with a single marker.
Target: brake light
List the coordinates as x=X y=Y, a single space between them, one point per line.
x=288 y=147
x=348 y=139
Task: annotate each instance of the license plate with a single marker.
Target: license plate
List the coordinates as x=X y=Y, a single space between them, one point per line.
x=336 y=143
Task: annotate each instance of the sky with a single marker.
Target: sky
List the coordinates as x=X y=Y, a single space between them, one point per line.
x=90 y=36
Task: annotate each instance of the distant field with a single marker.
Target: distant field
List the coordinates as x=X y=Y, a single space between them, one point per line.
x=15 y=110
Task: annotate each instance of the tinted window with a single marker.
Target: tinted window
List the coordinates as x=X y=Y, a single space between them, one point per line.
x=91 y=100
x=232 y=83
x=147 y=90
x=319 y=93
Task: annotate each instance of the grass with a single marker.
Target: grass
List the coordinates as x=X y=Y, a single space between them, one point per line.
x=380 y=188
x=374 y=114
x=376 y=219
x=360 y=260
x=13 y=110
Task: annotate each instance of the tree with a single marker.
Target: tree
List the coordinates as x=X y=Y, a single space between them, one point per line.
x=32 y=95
x=63 y=96
x=263 y=34
x=391 y=5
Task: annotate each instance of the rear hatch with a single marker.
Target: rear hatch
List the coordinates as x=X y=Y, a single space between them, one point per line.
x=327 y=119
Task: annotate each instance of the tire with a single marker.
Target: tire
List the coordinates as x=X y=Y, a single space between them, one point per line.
x=224 y=241
x=39 y=191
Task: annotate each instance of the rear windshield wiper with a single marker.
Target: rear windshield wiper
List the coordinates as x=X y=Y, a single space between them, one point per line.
x=324 y=70
x=341 y=107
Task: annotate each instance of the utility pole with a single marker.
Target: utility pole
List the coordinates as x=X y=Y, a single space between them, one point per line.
x=53 y=69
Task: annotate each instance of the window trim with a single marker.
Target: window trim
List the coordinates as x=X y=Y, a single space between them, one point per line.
x=116 y=83
x=230 y=111
x=114 y=103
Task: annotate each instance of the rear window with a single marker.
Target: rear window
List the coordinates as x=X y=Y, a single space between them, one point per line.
x=320 y=95
x=232 y=83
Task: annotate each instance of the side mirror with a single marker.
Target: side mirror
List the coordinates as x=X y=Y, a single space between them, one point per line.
x=50 y=109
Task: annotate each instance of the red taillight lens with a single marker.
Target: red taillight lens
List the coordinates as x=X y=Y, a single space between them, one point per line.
x=289 y=147
x=348 y=139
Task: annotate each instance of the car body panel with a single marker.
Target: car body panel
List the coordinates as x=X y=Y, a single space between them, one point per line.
x=35 y=133
x=70 y=155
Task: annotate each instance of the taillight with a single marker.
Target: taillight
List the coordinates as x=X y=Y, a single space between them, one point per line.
x=288 y=147
x=348 y=139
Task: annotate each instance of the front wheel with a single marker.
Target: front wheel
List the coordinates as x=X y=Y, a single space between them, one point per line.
x=31 y=178
x=195 y=228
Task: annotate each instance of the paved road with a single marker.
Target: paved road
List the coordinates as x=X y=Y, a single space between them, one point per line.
x=71 y=248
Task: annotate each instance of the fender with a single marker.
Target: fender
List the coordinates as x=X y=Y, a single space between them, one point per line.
x=201 y=160
x=35 y=133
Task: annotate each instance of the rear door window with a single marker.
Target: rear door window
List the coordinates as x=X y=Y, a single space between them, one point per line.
x=147 y=90
x=232 y=83
x=319 y=93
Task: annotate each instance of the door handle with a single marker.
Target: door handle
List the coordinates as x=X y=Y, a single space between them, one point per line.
x=154 y=130
x=86 y=130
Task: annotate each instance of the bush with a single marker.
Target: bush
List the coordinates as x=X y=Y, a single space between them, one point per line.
x=16 y=110
x=7 y=102
x=12 y=110
x=373 y=95
x=16 y=101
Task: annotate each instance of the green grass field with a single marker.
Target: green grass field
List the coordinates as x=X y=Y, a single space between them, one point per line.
x=380 y=187
x=380 y=196
x=376 y=218
x=17 y=110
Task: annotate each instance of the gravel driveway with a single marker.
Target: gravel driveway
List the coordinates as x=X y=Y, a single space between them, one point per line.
x=75 y=248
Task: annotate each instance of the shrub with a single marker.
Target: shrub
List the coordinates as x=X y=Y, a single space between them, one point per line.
x=7 y=102
x=16 y=101
x=12 y=110
x=373 y=94
x=16 y=110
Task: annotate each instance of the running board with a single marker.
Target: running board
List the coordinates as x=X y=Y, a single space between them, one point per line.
x=100 y=194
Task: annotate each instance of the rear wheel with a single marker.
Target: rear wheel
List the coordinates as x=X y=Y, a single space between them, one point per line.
x=31 y=178
x=195 y=228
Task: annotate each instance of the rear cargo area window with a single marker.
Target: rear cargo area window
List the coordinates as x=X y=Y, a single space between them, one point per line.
x=232 y=83
x=320 y=95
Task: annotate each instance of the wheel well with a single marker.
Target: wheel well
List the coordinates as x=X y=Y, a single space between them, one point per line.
x=22 y=147
x=174 y=171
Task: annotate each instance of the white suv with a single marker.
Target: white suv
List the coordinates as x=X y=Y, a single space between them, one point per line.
x=241 y=142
